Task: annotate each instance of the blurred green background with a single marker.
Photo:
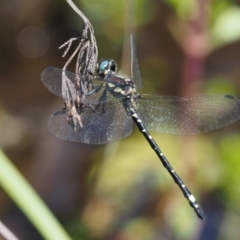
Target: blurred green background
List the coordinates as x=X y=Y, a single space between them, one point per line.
x=120 y=191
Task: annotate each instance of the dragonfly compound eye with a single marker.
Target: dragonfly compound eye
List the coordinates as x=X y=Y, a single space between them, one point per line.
x=104 y=66
x=112 y=66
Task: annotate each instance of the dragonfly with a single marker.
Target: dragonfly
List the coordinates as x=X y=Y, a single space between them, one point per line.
x=105 y=112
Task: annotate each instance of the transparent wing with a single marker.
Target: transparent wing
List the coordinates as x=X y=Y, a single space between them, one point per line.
x=64 y=83
x=113 y=125
x=134 y=65
x=187 y=116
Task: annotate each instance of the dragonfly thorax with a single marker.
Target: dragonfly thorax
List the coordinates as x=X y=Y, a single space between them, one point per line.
x=119 y=86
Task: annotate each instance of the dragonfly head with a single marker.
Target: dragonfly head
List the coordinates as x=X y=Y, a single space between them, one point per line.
x=105 y=66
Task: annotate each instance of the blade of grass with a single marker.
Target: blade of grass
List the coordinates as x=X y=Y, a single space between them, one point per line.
x=15 y=185
x=6 y=233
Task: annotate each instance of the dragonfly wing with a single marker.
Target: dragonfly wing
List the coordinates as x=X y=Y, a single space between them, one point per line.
x=52 y=79
x=188 y=116
x=134 y=64
x=112 y=125
x=65 y=84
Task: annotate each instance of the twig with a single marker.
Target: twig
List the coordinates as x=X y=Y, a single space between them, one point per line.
x=87 y=54
x=87 y=47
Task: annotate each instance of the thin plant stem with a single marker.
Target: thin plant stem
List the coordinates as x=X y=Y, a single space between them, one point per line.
x=20 y=191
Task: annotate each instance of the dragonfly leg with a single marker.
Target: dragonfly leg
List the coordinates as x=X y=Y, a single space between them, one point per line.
x=101 y=103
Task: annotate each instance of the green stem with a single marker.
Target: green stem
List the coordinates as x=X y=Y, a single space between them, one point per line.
x=16 y=186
